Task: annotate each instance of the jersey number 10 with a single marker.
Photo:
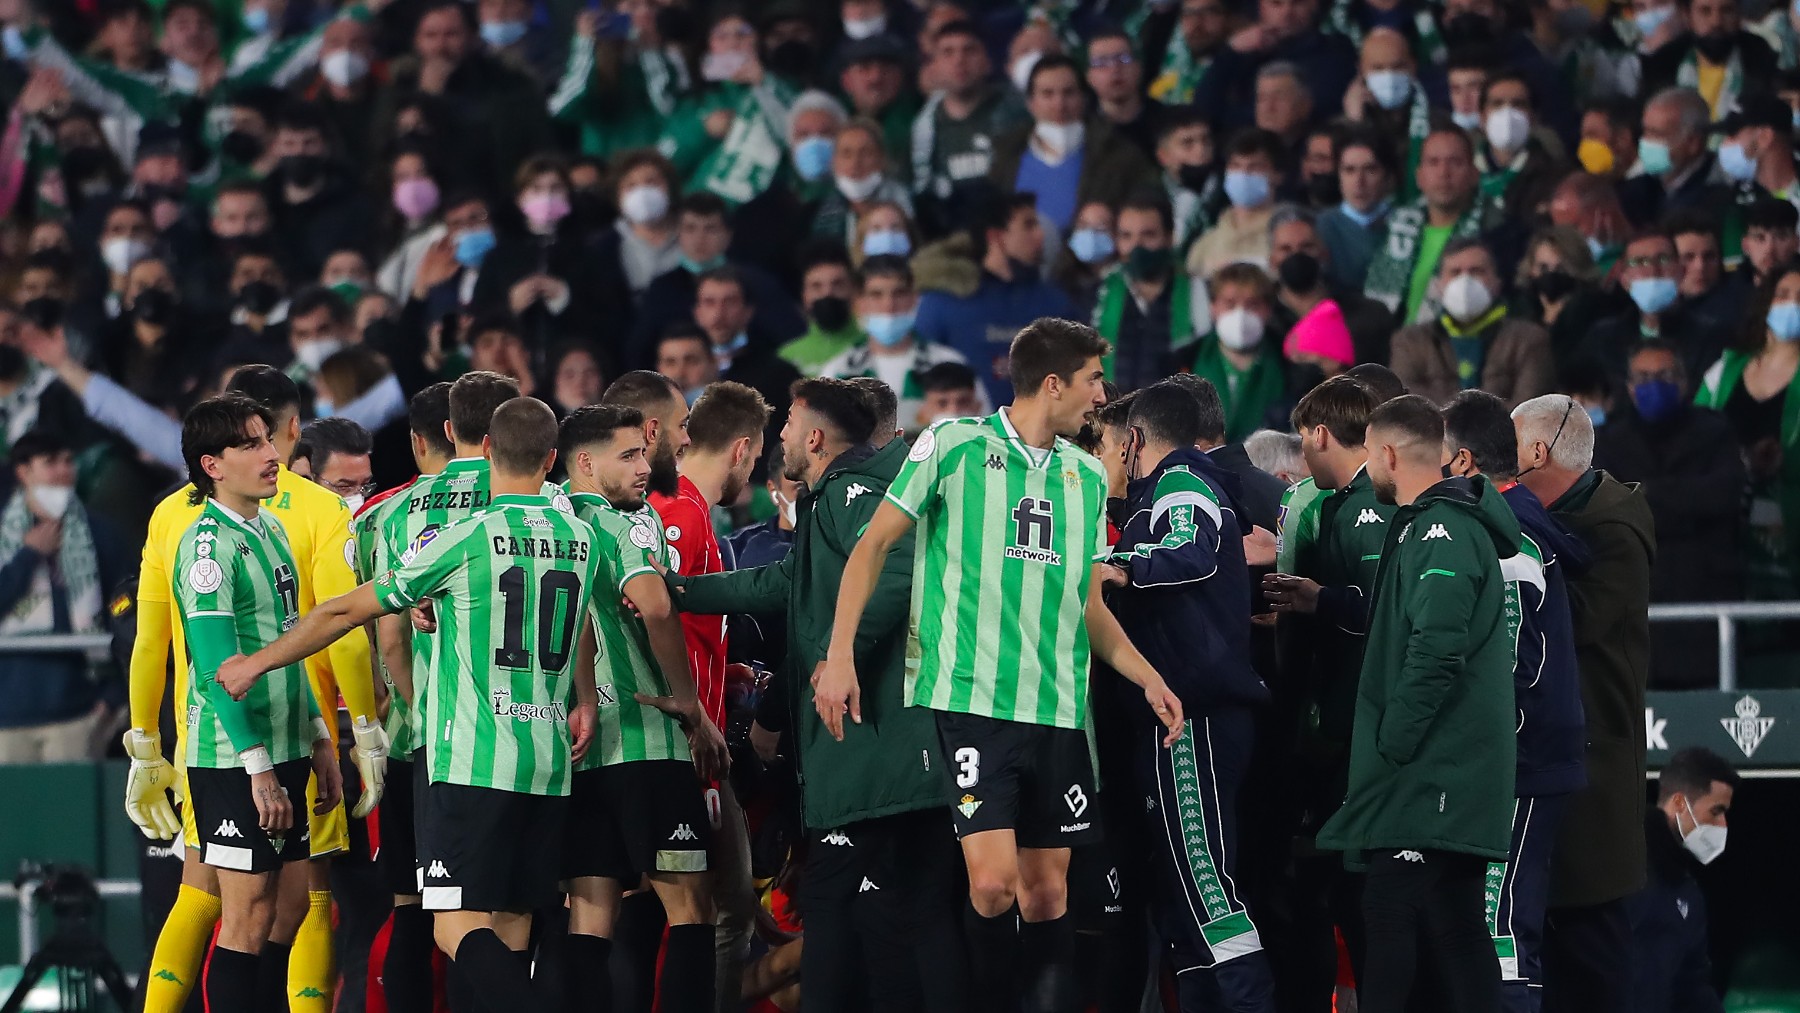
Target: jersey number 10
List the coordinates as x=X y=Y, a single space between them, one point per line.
x=558 y=593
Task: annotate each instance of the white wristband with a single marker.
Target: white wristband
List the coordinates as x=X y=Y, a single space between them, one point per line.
x=321 y=730
x=256 y=761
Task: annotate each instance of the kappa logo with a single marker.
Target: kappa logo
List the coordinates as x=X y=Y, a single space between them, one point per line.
x=309 y=992
x=683 y=832
x=164 y=974
x=227 y=828
x=1749 y=728
x=1367 y=517
x=855 y=490
x=1076 y=799
x=1437 y=531
x=1411 y=856
x=867 y=885
x=837 y=838
x=437 y=871
x=996 y=462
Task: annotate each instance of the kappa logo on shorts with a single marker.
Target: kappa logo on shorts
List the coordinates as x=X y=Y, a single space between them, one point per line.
x=437 y=871
x=837 y=838
x=967 y=806
x=683 y=832
x=867 y=885
x=228 y=828
x=1411 y=856
x=1076 y=799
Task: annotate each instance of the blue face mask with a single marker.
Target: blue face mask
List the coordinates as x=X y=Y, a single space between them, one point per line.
x=1653 y=295
x=1654 y=155
x=1596 y=415
x=696 y=268
x=1091 y=246
x=1246 y=189
x=812 y=157
x=1365 y=218
x=1649 y=21
x=473 y=246
x=256 y=21
x=886 y=243
x=14 y=43
x=1735 y=163
x=1596 y=249
x=500 y=34
x=888 y=329
x=1784 y=321
x=1656 y=399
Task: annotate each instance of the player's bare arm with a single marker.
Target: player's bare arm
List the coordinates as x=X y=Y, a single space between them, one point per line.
x=1112 y=646
x=649 y=597
x=835 y=689
x=584 y=719
x=315 y=631
x=393 y=638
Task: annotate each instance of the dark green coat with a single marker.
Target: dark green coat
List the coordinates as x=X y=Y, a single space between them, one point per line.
x=1353 y=526
x=889 y=763
x=1431 y=758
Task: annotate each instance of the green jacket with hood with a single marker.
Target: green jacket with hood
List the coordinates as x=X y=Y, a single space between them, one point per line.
x=888 y=764
x=1431 y=757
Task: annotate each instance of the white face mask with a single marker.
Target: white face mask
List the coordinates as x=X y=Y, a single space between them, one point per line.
x=866 y=28
x=343 y=68
x=1466 y=298
x=354 y=501
x=858 y=189
x=1705 y=842
x=789 y=509
x=1062 y=138
x=723 y=66
x=642 y=205
x=314 y=353
x=54 y=500
x=1508 y=128
x=120 y=252
x=1239 y=330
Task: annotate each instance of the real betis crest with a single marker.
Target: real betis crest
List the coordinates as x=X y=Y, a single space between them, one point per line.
x=1749 y=728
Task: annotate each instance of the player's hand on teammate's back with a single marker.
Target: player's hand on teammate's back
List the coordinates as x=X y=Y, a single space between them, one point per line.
x=237 y=675
x=836 y=693
x=273 y=812
x=582 y=722
x=330 y=777
x=424 y=618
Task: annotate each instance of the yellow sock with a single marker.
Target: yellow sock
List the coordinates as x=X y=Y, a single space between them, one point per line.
x=311 y=978
x=180 y=950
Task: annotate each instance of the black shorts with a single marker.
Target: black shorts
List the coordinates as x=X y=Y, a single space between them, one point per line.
x=910 y=858
x=397 y=855
x=225 y=818
x=482 y=849
x=631 y=819
x=1034 y=780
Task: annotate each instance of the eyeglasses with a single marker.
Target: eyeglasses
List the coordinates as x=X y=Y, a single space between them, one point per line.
x=346 y=487
x=1660 y=260
x=1106 y=62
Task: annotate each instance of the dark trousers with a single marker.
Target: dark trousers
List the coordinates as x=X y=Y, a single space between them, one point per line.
x=1423 y=918
x=1517 y=895
x=1587 y=951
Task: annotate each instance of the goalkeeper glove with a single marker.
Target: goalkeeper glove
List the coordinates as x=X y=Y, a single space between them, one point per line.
x=370 y=754
x=148 y=784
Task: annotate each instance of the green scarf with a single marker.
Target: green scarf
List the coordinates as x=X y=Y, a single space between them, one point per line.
x=747 y=161
x=1772 y=554
x=1428 y=49
x=1418 y=127
x=1247 y=393
x=1109 y=312
x=76 y=564
x=1688 y=76
x=1390 y=272
x=1181 y=72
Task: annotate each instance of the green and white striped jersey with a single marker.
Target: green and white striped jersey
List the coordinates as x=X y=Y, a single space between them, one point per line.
x=624 y=543
x=235 y=584
x=1297 y=525
x=511 y=585
x=1007 y=538
x=372 y=560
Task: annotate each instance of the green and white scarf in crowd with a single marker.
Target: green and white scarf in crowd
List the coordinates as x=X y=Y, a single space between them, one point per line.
x=1427 y=48
x=19 y=410
x=76 y=563
x=1180 y=74
x=1194 y=212
x=1418 y=127
x=747 y=161
x=1390 y=273
x=1688 y=76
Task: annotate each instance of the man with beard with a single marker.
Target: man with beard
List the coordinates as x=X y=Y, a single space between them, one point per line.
x=879 y=891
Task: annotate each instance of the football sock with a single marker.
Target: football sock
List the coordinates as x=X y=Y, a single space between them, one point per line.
x=311 y=978
x=406 y=976
x=686 y=982
x=180 y=950
x=498 y=977
x=1048 y=975
x=993 y=951
x=272 y=976
x=231 y=981
x=587 y=981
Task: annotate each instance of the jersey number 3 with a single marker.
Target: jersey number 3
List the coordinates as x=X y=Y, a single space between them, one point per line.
x=558 y=591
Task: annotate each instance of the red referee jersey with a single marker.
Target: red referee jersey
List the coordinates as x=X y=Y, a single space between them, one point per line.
x=693 y=550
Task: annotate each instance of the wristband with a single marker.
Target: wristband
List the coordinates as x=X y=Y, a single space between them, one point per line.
x=321 y=730
x=256 y=761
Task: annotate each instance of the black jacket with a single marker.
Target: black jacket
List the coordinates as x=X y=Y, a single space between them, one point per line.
x=1671 y=971
x=670 y=299
x=599 y=309
x=1546 y=683
x=336 y=218
x=1663 y=67
x=1611 y=340
x=1258 y=493
x=1645 y=199
x=1227 y=92
x=1187 y=603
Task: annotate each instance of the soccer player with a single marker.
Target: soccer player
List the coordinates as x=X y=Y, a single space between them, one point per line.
x=1011 y=520
x=318 y=528
x=639 y=807
x=236 y=585
x=502 y=718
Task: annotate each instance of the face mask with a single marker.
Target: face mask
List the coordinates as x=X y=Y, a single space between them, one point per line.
x=1239 y=330
x=183 y=77
x=1467 y=121
x=544 y=210
x=323 y=408
x=865 y=28
x=1649 y=21
x=1653 y=295
x=723 y=66
x=696 y=268
x=1246 y=189
x=1736 y=163
x=53 y=500
x=1020 y=71
x=1091 y=246
x=812 y=157
x=259 y=297
x=1596 y=415
x=1147 y=264
x=1554 y=285
x=241 y=147
x=343 y=67
x=789 y=509
x=256 y=20
x=120 y=252
x=1596 y=249
x=1364 y=218
x=1716 y=46
x=302 y=171
x=354 y=501
x=1062 y=138
x=500 y=34
x=1656 y=399
x=792 y=59
x=1299 y=272
x=831 y=313
x=886 y=242
x=1507 y=128
x=1705 y=842
x=1654 y=155
x=1595 y=157
x=313 y=354
x=473 y=246
x=642 y=205
x=1390 y=88
x=415 y=198
x=1784 y=321
x=1194 y=177
x=153 y=306
x=348 y=290
x=14 y=43
x=1466 y=298
x=1322 y=189
x=858 y=189
x=888 y=329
